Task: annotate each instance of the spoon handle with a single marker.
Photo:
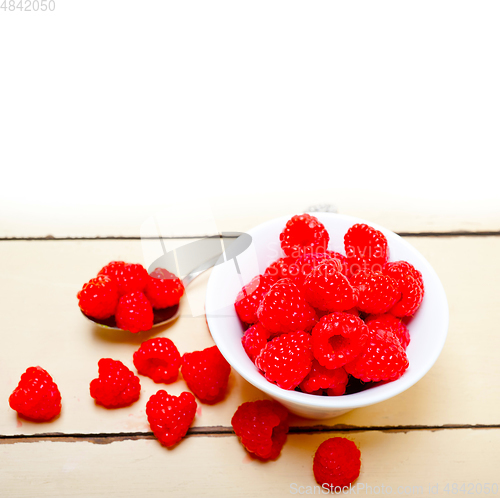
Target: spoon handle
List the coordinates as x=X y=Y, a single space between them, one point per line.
x=199 y=270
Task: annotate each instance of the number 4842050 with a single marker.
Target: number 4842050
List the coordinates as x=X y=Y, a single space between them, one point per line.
x=28 y=5
x=471 y=488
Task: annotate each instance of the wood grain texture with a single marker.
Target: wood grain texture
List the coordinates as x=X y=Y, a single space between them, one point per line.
x=407 y=463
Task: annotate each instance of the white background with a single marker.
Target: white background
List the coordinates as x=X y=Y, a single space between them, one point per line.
x=109 y=109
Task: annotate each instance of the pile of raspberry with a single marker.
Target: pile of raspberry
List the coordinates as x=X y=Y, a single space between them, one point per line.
x=320 y=318
x=128 y=293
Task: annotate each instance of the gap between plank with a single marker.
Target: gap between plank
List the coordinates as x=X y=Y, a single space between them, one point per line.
x=453 y=233
x=107 y=438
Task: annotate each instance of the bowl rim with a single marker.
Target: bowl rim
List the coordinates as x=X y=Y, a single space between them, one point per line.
x=355 y=400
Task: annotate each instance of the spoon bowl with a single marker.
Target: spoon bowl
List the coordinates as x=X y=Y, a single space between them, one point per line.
x=160 y=317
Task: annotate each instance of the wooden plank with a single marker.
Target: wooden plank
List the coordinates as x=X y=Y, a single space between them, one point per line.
x=242 y=212
x=413 y=463
x=42 y=325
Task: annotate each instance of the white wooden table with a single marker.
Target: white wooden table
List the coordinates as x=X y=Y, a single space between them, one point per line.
x=439 y=437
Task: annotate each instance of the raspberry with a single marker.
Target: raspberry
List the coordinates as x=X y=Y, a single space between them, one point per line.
x=411 y=285
x=343 y=261
x=249 y=298
x=206 y=374
x=254 y=340
x=37 y=396
x=284 y=309
x=399 y=269
x=321 y=377
x=279 y=269
x=304 y=233
x=170 y=416
x=113 y=269
x=339 y=389
x=391 y=323
x=163 y=289
x=337 y=463
x=159 y=359
x=262 y=427
x=129 y=277
x=99 y=297
x=286 y=359
x=352 y=311
x=326 y=288
x=366 y=249
x=134 y=313
x=383 y=358
x=306 y=263
x=338 y=338
x=377 y=292
x=116 y=385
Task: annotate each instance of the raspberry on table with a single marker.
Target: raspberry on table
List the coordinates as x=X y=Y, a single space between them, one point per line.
x=163 y=289
x=304 y=233
x=392 y=323
x=206 y=373
x=279 y=269
x=159 y=359
x=116 y=386
x=262 y=427
x=366 y=249
x=321 y=377
x=306 y=263
x=37 y=396
x=284 y=309
x=249 y=298
x=170 y=416
x=134 y=313
x=337 y=463
x=326 y=288
x=129 y=277
x=286 y=359
x=410 y=284
x=383 y=358
x=99 y=297
x=338 y=338
x=377 y=292
x=254 y=340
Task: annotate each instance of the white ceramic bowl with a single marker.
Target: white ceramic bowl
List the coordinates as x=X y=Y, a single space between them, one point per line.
x=428 y=328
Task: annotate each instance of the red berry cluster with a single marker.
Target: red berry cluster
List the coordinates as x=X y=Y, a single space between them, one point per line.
x=206 y=373
x=316 y=318
x=128 y=293
x=37 y=396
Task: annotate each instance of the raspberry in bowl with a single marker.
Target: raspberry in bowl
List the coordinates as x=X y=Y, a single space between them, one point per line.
x=325 y=310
